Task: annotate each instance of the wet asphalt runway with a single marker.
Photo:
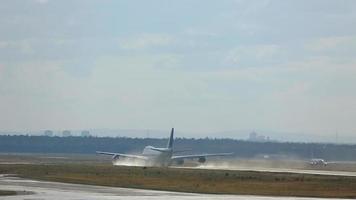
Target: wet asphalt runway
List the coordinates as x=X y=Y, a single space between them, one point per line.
x=43 y=190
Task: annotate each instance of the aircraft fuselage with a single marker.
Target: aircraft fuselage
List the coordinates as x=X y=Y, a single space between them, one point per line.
x=157 y=156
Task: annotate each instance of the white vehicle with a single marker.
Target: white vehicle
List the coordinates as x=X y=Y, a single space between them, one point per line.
x=153 y=156
x=318 y=161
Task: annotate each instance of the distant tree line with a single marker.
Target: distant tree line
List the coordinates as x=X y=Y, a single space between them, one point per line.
x=243 y=149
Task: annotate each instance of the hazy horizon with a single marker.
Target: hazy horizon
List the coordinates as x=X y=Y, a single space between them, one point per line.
x=268 y=135
x=203 y=67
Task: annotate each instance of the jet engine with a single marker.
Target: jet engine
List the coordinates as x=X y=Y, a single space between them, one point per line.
x=115 y=157
x=202 y=159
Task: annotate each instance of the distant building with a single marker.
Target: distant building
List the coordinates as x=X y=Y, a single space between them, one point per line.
x=254 y=137
x=48 y=133
x=261 y=138
x=66 y=133
x=85 y=134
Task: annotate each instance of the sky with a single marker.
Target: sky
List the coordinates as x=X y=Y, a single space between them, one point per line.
x=200 y=66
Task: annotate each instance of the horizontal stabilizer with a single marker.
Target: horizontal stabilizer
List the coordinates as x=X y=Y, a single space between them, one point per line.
x=122 y=155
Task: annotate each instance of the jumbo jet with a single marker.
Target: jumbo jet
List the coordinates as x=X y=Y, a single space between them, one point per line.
x=153 y=156
x=318 y=161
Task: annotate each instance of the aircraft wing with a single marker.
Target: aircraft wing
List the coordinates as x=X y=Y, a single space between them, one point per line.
x=200 y=156
x=122 y=155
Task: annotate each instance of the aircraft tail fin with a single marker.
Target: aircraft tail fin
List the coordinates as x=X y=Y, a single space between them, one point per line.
x=170 y=141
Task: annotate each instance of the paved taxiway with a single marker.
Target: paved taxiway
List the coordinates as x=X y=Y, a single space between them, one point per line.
x=51 y=190
x=297 y=171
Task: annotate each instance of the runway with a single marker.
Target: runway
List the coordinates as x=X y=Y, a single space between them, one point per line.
x=43 y=190
x=286 y=170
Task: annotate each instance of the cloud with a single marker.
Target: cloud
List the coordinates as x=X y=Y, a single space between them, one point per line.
x=22 y=46
x=229 y=65
x=249 y=8
x=2 y=71
x=130 y=91
x=145 y=41
x=197 y=32
x=41 y=1
x=336 y=43
x=250 y=55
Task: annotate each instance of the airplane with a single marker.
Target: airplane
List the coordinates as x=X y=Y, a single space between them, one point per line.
x=318 y=161
x=153 y=156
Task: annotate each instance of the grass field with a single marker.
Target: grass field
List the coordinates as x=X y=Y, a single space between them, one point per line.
x=191 y=180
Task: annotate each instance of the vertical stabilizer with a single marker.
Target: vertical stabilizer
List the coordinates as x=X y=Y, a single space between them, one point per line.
x=170 y=141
